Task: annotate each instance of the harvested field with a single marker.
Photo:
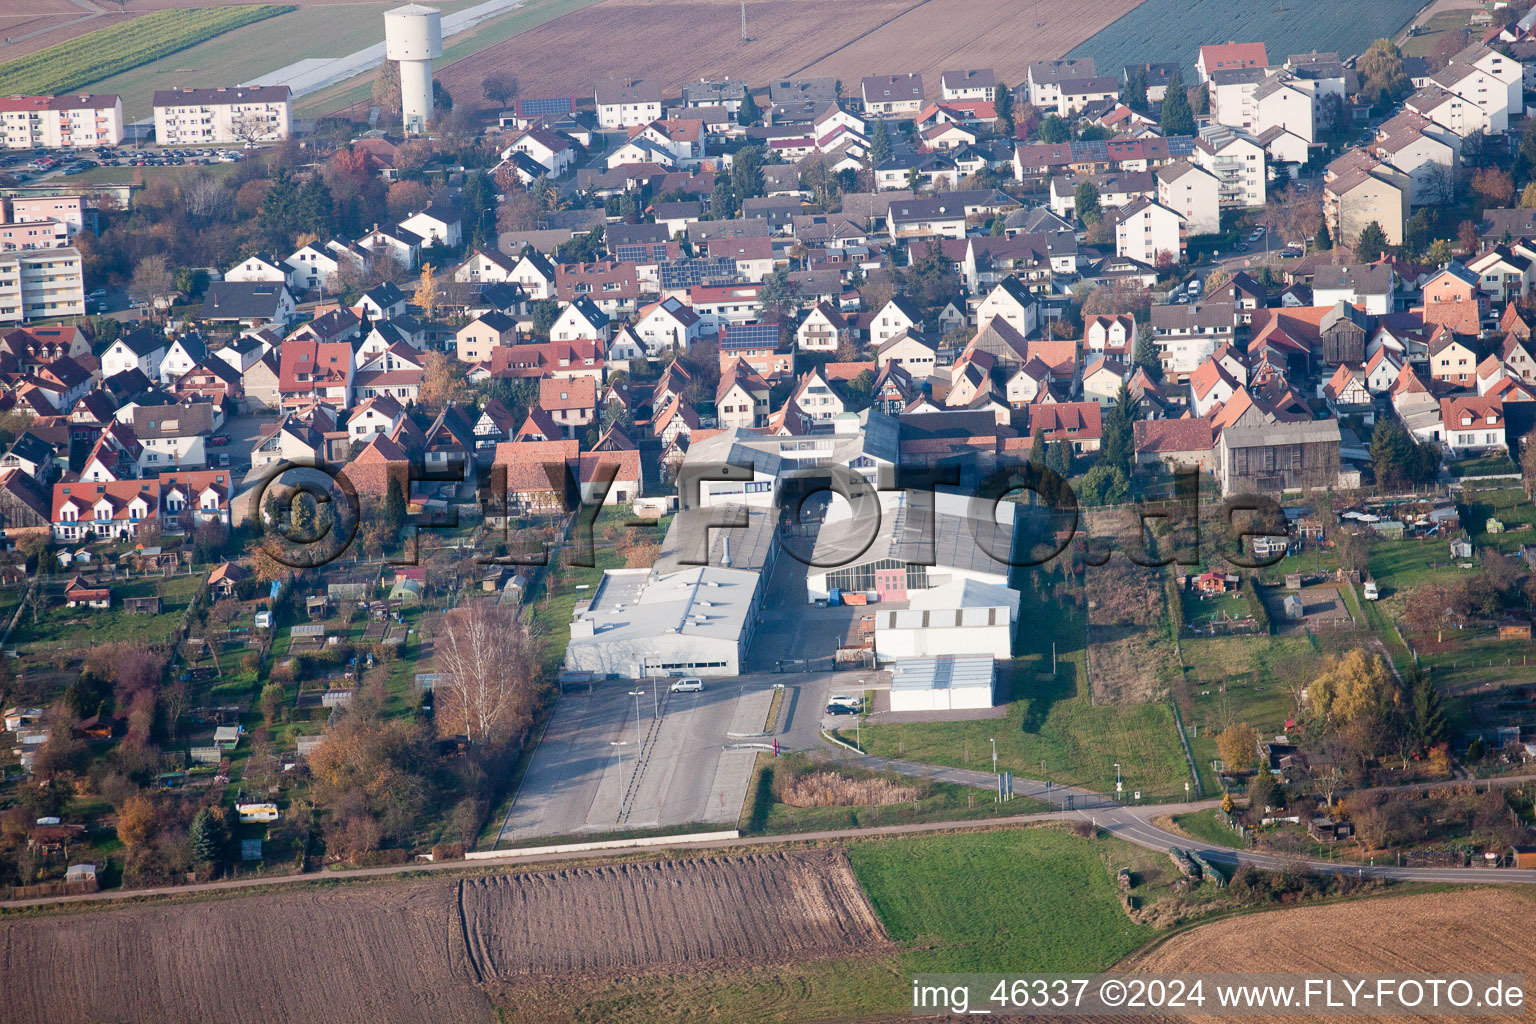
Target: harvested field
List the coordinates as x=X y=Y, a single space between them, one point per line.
x=632 y=915
x=1441 y=933
x=842 y=38
x=32 y=25
x=382 y=953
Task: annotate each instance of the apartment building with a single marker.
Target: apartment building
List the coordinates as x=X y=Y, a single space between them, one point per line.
x=1236 y=161
x=79 y=121
x=256 y=113
x=41 y=283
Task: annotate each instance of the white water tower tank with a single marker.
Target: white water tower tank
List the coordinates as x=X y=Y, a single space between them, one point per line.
x=413 y=35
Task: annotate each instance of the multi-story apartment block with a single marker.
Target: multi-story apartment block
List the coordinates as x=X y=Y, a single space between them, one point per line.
x=255 y=113
x=1237 y=162
x=41 y=283
x=61 y=122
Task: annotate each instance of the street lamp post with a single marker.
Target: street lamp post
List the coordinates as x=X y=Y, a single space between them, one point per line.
x=1117 y=780
x=637 y=694
x=618 y=748
x=994 y=755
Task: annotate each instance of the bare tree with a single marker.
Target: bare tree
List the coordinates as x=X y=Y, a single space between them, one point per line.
x=153 y=281
x=205 y=196
x=499 y=86
x=488 y=667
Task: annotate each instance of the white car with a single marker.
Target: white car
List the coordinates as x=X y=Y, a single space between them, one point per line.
x=688 y=686
x=843 y=700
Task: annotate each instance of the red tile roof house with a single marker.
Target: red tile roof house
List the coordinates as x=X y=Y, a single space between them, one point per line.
x=200 y=495
x=312 y=371
x=76 y=594
x=1174 y=443
x=536 y=477
x=377 y=464
x=111 y=508
x=1079 y=423
x=570 y=402
x=1472 y=423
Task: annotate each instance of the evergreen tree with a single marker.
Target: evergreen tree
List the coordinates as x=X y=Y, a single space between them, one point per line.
x=1037 y=449
x=1426 y=715
x=879 y=143
x=315 y=211
x=1145 y=357
x=1133 y=93
x=1177 y=117
x=1373 y=241
x=208 y=836
x=1058 y=458
x=1085 y=202
x=394 y=506
x=748 y=114
x=722 y=201
x=1054 y=130
x=747 y=172
x=1118 y=432
x=1002 y=104
x=1323 y=240
x=278 y=216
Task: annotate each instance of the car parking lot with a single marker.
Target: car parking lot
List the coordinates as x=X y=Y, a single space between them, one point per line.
x=610 y=760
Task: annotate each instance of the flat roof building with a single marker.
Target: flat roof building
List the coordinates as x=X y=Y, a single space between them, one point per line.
x=946 y=683
x=697 y=621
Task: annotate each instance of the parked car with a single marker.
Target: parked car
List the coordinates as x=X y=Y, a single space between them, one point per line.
x=688 y=686
x=843 y=700
x=218 y=440
x=841 y=709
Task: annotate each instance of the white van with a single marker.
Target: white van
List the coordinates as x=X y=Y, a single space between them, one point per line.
x=688 y=686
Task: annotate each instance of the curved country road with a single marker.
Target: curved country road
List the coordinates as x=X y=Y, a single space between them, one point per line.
x=1132 y=824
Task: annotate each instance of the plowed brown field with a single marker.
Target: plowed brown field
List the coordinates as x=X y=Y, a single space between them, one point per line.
x=365 y=953
x=414 y=951
x=773 y=906
x=1482 y=931
x=675 y=42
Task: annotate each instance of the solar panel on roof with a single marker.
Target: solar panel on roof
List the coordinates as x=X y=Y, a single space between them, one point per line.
x=750 y=336
x=692 y=273
x=541 y=107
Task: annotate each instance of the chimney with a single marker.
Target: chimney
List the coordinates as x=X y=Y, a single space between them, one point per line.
x=725 y=559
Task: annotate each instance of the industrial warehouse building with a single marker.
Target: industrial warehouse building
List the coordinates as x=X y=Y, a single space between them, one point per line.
x=963 y=617
x=946 y=683
x=695 y=621
x=918 y=546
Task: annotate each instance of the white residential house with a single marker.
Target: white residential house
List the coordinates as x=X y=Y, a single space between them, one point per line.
x=312 y=267
x=438 y=224
x=1149 y=232
x=668 y=325
x=260 y=267
x=141 y=349
x=897 y=316
x=1013 y=302
x=581 y=319
x=1194 y=194
x=625 y=102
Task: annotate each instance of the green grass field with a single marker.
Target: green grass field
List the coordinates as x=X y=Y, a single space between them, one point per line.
x=1052 y=732
x=60 y=627
x=1423 y=44
x=245 y=54
x=466 y=44
x=146 y=41
x=1038 y=899
x=1203 y=826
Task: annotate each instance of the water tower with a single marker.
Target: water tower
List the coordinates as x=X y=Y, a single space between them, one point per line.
x=413 y=35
